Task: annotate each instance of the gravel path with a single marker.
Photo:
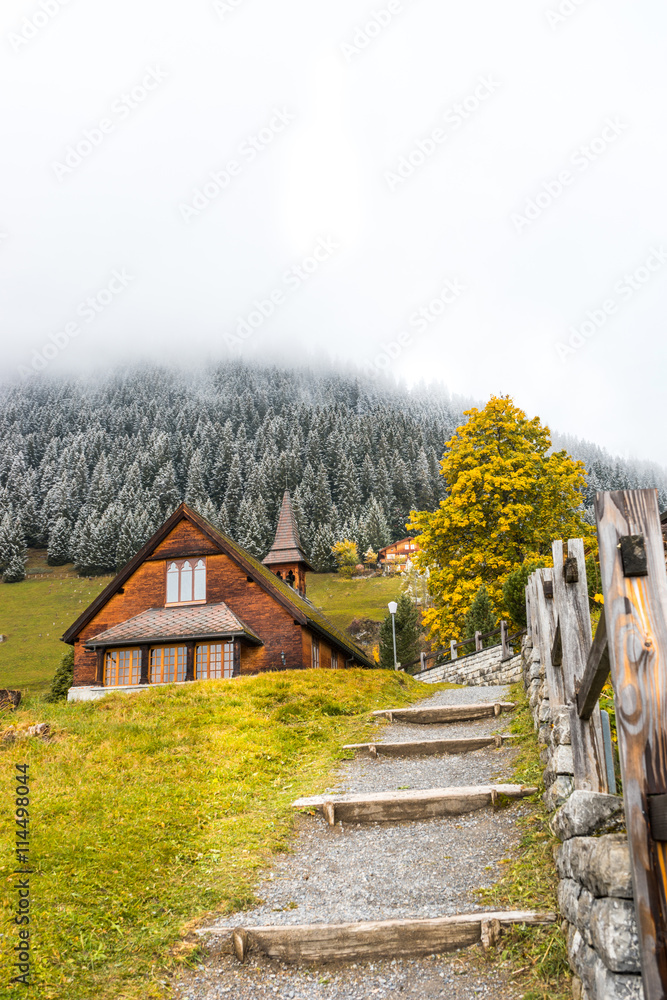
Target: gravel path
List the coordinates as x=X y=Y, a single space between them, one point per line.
x=383 y=871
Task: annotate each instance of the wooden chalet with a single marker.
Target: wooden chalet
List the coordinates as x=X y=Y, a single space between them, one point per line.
x=194 y=605
x=395 y=556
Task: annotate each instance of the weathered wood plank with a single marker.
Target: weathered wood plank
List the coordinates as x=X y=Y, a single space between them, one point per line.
x=544 y=615
x=445 y=713
x=635 y=609
x=596 y=672
x=424 y=748
x=398 y=806
x=571 y=601
x=372 y=938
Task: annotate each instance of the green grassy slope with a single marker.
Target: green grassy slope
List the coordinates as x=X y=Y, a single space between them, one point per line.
x=151 y=811
x=342 y=600
x=33 y=615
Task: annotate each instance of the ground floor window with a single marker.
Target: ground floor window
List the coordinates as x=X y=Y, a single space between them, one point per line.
x=334 y=659
x=122 y=667
x=168 y=664
x=215 y=661
x=316 y=653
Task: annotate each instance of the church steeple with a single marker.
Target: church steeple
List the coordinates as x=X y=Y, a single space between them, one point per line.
x=287 y=558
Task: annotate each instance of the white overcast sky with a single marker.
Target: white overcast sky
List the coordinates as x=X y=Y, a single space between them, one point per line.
x=350 y=106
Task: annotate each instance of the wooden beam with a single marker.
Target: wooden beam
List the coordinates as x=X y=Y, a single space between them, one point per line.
x=145 y=664
x=572 y=608
x=424 y=748
x=395 y=807
x=596 y=672
x=635 y=609
x=189 y=661
x=372 y=939
x=544 y=615
x=444 y=713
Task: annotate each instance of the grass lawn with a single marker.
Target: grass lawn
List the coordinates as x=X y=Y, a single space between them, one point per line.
x=342 y=600
x=152 y=811
x=34 y=614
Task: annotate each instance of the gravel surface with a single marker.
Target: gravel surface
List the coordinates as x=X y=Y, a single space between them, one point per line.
x=451 y=977
x=382 y=871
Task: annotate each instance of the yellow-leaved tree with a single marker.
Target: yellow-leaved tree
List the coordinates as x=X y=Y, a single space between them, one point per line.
x=507 y=499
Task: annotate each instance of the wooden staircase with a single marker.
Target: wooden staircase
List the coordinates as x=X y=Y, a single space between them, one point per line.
x=332 y=942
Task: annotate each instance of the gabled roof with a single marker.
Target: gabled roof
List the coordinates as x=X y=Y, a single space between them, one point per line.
x=203 y=621
x=299 y=607
x=409 y=538
x=286 y=547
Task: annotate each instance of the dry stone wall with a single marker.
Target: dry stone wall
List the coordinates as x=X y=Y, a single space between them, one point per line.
x=595 y=889
x=481 y=669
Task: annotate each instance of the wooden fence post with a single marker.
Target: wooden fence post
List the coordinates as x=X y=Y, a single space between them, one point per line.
x=478 y=641
x=504 y=631
x=574 y=620
x=634 y=584
x=544 y=623
x=453 y=652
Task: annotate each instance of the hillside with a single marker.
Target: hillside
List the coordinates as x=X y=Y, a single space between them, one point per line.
x=90 y=467
x=153 y=811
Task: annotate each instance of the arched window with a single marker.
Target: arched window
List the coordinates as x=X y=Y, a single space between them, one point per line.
x=200 y=580
x=173 y=583
x=186 y=581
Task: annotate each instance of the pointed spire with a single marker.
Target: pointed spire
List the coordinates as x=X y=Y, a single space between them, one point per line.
x=286 y=547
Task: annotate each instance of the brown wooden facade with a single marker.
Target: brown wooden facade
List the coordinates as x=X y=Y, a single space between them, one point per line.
x=395 y=556
x=279 y=629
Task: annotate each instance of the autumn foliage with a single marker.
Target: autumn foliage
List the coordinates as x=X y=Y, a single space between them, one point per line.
x=507 y=499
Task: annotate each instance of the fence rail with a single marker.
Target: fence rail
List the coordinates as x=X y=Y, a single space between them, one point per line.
x=478 y=638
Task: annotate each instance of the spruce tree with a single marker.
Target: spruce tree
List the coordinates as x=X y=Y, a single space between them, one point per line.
x=59 y=541
x=321 y=555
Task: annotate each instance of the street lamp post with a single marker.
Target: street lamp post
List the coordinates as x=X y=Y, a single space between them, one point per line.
x=393 y=608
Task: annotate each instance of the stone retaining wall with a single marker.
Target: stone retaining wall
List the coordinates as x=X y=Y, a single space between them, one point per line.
x=484 y=668
x=595 y=889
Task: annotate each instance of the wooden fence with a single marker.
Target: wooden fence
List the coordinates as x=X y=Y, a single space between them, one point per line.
x=440 y=656
x=631 y=643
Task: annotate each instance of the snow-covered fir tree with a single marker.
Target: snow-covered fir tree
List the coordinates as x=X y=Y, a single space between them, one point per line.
x=91 y=467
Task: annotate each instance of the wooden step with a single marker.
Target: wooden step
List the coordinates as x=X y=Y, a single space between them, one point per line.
x=446 y=713
x=422 y=748
x=374 y=938
x=395 y=807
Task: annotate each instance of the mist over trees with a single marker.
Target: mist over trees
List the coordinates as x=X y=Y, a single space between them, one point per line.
x=90 y=467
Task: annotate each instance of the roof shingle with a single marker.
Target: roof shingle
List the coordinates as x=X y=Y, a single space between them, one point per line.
x=204 y=621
